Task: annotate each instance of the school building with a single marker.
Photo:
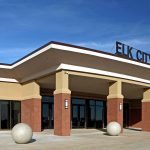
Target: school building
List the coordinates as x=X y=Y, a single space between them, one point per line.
x=61 y=86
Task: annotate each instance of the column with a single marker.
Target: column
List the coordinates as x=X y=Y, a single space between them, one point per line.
x=62 y=104
x=146 y=110
x=31 y=106
x=115 y=103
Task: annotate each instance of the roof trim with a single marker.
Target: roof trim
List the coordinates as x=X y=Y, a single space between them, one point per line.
x=73 y=48
x=8 y=80
x=99 y=54
x=79 y=69
x=101 y=72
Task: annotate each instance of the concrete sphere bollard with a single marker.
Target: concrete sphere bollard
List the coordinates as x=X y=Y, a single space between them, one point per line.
x=113 y=128
x=22 y=133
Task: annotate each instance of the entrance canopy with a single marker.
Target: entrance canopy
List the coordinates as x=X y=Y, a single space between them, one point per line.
x=56 y=56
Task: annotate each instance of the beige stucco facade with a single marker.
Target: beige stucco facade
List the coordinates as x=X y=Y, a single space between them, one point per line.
x=16 y=91
x=62 y=82
x=146 y=95
x=115 y=90
x=10 y=91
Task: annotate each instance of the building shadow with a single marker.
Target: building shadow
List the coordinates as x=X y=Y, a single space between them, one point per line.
x=102 y=129
x=134 y=129
x=32 y=141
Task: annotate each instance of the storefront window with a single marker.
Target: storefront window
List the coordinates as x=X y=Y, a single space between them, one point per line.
x=9 y=114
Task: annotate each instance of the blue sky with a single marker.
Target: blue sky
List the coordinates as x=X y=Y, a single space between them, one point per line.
x=27 y=24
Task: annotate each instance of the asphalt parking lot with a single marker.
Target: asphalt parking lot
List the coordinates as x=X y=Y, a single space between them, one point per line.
x=80 y=139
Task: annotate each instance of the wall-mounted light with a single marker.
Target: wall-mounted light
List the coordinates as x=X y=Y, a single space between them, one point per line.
x=120 y=106
x=66 y=104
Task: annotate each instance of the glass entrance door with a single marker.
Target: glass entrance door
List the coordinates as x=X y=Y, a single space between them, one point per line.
x=78 y=113
x=88 y=113
x=78 y=116
x=47 y=116
x=47 y=112
x=95 y=114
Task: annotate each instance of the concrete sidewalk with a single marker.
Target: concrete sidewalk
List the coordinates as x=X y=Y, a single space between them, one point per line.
x=80 y=139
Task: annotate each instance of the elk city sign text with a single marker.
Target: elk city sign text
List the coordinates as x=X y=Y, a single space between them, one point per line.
x=132 y=53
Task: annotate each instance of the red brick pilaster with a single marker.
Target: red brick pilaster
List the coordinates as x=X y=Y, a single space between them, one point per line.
x=61 y=114
x=146 y=116
x=31 y=113
x=113 y=110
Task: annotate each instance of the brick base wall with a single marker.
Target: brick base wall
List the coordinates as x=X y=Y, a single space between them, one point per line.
x=61 y=115
x=146 y=116
x=113 y=112
x=135 y=118
x=31 y=113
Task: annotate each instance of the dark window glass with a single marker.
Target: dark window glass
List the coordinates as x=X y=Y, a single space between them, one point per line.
x=4 y=114
x=75 y=112
x=9 y=114
x=92 y=113
x=95 y=114
x=78 y=113
x=15 y=113
x=48 y=99
x=99 y=113
x=78 y=101
x=74 y=116
x=92 y=102
x=47 y=112
x=99 y=103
